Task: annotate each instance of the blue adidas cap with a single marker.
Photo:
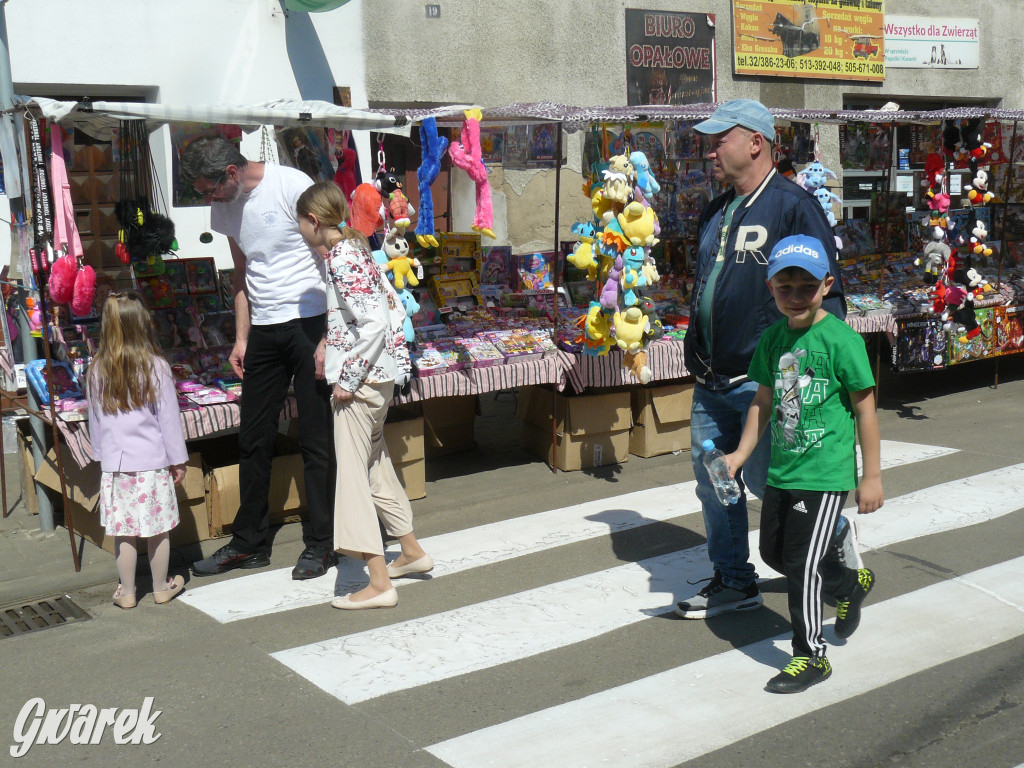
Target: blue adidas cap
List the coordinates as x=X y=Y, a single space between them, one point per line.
x=801 y=251
x=752 y=115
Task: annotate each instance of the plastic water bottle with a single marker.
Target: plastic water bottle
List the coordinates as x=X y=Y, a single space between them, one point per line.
x=727 y=489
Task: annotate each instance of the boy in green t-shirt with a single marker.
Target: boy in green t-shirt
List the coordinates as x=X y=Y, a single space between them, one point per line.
x=815 y=382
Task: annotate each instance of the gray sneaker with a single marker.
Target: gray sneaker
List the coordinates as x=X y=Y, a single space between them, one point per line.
x=846 y=544
x=716 y=598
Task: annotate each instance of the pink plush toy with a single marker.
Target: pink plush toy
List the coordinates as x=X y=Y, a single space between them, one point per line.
x=466 y=155
x=85 y=291
x=62 y=279
x=346 y=174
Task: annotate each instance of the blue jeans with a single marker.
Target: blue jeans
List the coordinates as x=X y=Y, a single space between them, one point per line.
x=719 y=416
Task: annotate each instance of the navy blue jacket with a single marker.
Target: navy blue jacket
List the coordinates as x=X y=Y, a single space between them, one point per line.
x=743 y=307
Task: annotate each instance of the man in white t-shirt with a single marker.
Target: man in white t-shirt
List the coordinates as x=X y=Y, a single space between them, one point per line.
x=280 y=321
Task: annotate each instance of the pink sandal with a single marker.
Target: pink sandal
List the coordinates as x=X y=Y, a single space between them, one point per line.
x=165 y=596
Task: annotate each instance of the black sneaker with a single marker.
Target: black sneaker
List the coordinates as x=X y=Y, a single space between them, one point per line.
x=848 y=611
x=800 y=674
x=314 y=561
x=227 y=558
x=717 y=598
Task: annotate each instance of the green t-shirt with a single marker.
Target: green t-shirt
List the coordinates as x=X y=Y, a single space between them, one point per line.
x=811 y=372
x=707 y=298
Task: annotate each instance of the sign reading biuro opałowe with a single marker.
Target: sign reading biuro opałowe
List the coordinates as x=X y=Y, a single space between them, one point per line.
x=670 y=57
x=837 y=39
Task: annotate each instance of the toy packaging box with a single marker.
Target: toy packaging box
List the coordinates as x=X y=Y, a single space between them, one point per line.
x=920 y=345
x=980 y=346
x=1009 y=327
x=202 y=275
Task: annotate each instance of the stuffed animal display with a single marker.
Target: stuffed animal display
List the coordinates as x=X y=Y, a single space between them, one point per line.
x=615 y=250
x=955 y=283
x=467 y=155
x=396 y=248
x=813 y=178
x=399 y=209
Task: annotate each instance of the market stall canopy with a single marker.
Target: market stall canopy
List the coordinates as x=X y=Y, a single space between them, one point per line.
x=99 y=118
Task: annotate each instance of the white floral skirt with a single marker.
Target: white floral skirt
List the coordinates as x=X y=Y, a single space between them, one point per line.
x=138 y=503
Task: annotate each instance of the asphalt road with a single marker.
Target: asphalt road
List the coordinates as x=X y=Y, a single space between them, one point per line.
x=542 y=650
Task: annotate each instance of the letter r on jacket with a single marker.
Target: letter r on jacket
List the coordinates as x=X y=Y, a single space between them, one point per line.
x=749 y=239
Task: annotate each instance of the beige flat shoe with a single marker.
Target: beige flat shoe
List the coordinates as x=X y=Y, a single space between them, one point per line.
x=388 y=599
x=124 y=600
x=165 y=596
x=424 y=564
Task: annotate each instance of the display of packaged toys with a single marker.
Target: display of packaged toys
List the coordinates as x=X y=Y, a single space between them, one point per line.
x=454 y=353
x=174 y=271
x=218 y=329
x=460 y=252
x=920 y=345
x=964 y=347
x=207 y=303
x=157 y=292
x=534 y=271
x=226 y=288
x=202 y=275
x=427 y=361
x=73 y=409
x=495 y=269
x=183 y=363
x=482 y=352
x=150 y=266
x=177 y=327
x=230 y=384
x=458 y=290
x=1009 y=326
x=210 y=396
x=516 y=345
x=214 y=362
x=64 y=382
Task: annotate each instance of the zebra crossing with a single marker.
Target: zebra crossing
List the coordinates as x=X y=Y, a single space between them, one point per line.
x=632 y=723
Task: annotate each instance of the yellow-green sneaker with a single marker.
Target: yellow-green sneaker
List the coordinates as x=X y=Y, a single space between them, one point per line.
x=800 y=674
x=848 y=611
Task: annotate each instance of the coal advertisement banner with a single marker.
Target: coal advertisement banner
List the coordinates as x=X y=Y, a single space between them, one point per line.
x=835 y=39
x=670 y=57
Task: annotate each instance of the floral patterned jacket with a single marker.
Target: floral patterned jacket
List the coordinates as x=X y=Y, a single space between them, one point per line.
x=365 y=340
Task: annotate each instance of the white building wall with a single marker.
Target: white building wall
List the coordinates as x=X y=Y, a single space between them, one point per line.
x=186 y=52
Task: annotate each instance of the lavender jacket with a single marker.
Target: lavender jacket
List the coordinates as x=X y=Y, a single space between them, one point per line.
x=143 y=439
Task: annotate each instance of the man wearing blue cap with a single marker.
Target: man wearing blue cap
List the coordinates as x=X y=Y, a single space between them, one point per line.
x=814 y=379
x=729 y=309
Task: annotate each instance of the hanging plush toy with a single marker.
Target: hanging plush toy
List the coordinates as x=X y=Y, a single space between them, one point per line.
x=399 y=209
x=411 y=307
x=467 y=156
x=345 y=176
x=645 y=180
x=432 y=148
x=977 y=191
x=62 y=279
x=825 y=198
x=936 y=254
x=582 y=256
x=814 y=176
x=396 y=248
x=619 y=179
x=367 y=210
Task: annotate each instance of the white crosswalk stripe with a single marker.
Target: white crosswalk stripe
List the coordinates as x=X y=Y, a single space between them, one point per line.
x=272 y=591
x=715 y=701
x=528 y=623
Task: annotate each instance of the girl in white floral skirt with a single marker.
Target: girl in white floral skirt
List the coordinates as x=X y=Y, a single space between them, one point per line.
x=136 y=434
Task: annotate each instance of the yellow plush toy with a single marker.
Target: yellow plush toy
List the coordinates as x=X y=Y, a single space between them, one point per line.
x=629 y=329
x=604 y=209
x=619 y=179
x=638 y=222
x=396 y=248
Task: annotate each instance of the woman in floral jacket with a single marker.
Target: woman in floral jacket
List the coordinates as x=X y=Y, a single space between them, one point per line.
x=366 y=356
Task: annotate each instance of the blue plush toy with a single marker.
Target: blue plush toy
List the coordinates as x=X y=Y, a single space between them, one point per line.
x=632 y=276
x=411 y=308
x=644 y=178
x=433 y=149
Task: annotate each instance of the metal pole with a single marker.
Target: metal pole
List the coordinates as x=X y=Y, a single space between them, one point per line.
x=557 y=283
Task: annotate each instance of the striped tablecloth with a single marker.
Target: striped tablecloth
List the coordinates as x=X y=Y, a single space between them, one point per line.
x=204 y=422
x=555 y=369
x=664 y=358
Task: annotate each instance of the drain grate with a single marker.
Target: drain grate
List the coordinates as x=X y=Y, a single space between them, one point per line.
x=22 y=618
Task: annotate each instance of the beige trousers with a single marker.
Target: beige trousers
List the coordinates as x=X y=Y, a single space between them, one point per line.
x=368 y=487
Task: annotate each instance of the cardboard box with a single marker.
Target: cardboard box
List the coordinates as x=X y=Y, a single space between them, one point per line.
x=590 y=430
x=661 y=420
x=448 y=424
x=83 y=489
x=404 y=440
x=287 y=498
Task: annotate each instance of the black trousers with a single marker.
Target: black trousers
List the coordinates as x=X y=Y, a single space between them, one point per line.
x=275 y=355
x=797 y=532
